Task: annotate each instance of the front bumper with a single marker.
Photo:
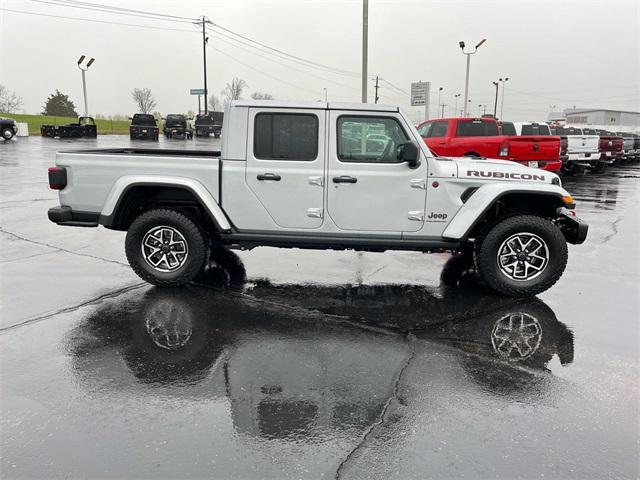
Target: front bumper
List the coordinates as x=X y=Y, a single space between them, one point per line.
x=573 y=228
x=64 y=215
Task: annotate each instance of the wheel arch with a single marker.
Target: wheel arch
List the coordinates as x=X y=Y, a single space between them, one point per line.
x=491 y=202
x=131 y=196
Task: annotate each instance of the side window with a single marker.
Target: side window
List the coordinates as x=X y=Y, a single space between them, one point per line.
x=424 y=128
x=438 y=129
x=285 y=136
x=369 y=139
x=476 y=128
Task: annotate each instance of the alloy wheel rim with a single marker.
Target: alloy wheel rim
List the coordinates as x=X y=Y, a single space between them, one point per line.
x=523 y=256
x=164 y=249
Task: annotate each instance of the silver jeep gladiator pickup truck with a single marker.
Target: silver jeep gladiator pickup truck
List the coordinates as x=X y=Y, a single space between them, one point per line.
x=325 y=176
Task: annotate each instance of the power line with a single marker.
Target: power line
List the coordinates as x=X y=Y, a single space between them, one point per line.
x=59 y=3
x=96 y=21
x=282 y=64
x=110 y=7
x=262 y=51
x=261 y=72
x=310 y=62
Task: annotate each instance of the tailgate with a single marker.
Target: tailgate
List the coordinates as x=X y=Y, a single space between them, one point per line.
x=583 y=144
x=533 y=147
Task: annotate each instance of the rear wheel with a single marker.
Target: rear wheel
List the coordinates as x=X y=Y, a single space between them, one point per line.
x=165 y=247
x=522 y=255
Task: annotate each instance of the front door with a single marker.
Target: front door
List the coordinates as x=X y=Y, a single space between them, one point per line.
x=369 y=188
x=285 y=165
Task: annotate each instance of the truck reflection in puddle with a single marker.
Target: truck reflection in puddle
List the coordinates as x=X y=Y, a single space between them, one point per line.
x=286 y=360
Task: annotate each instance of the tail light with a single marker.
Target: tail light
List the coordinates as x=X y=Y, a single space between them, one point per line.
x=504 y=149
x=57 y=178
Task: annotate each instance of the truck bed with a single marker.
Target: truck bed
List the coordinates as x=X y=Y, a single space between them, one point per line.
x=95 y=175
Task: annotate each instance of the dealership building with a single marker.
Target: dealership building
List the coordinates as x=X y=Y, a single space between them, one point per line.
x=602 y=118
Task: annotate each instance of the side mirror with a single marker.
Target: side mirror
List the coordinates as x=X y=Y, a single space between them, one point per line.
x=130 y=118
x=410 y=153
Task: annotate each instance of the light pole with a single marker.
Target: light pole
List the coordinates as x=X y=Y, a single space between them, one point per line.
x=466 y=82
x=365 y=47
x=439 y=92
x=84 y=82
x=495 y=105
x=456 y=108
x=503 y=81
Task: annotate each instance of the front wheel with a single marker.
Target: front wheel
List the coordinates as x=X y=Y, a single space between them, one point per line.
x=7 y=133
x=165 y=247
x=522 y=256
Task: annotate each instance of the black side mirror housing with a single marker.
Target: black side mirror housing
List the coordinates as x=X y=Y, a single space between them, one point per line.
x=410 y=153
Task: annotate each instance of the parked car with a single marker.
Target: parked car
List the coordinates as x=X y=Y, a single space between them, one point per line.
x=480 y=137
x=610 y=147
x=143 y=126
x=175 y=125
x=86 y=127
x=583 y=149
x=209 y=124
x=532 y=131
x=286 y=179
x=8 y=128
x=628 y=149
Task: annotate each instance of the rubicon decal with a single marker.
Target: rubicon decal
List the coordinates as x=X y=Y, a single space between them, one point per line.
x=510 y=175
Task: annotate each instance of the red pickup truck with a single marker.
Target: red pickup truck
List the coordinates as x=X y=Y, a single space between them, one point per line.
x=480 y=137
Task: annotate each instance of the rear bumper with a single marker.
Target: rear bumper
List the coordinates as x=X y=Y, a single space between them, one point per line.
x=573 y=228
x=63 y=215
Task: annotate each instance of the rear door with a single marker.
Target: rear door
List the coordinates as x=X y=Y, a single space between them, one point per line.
x=286 y=164
x=369 y=188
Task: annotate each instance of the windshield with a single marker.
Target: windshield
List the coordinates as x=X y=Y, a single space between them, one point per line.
x=567 y=131
x=508 y=128
x=536 y=129
x=144 y=119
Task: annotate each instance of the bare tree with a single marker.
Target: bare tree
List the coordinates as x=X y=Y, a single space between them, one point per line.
x=233 y=90
x=144 y=99
x=261 y=96
x=9 y=101
x=214 y=103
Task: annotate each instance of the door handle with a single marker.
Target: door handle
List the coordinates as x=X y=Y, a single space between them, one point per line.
x=345 y=179
x=269 y=176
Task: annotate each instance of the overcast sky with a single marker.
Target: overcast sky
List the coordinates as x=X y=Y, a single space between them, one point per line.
x=564 y=53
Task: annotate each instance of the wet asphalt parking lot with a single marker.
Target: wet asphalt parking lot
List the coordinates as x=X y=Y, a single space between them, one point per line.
x=311 y=364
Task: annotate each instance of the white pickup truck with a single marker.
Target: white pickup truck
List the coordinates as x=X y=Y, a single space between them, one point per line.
x=307 y=175
x=582 y=151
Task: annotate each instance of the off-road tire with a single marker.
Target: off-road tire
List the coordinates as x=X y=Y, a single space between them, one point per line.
x=486 y=252
x=7 y=133
x=190 y=230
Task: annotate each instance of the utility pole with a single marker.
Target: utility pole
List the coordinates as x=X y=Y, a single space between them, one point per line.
x=377 y=86
x=456 y=107
x=84 y=82
x=365 y=47
x=443 y=105
x=466 y=82
x=505 y=80
x=439 y=92
x=495 y=105
x=204 y=62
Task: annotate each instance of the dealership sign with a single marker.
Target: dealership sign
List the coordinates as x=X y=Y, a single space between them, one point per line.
x=420 y=93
